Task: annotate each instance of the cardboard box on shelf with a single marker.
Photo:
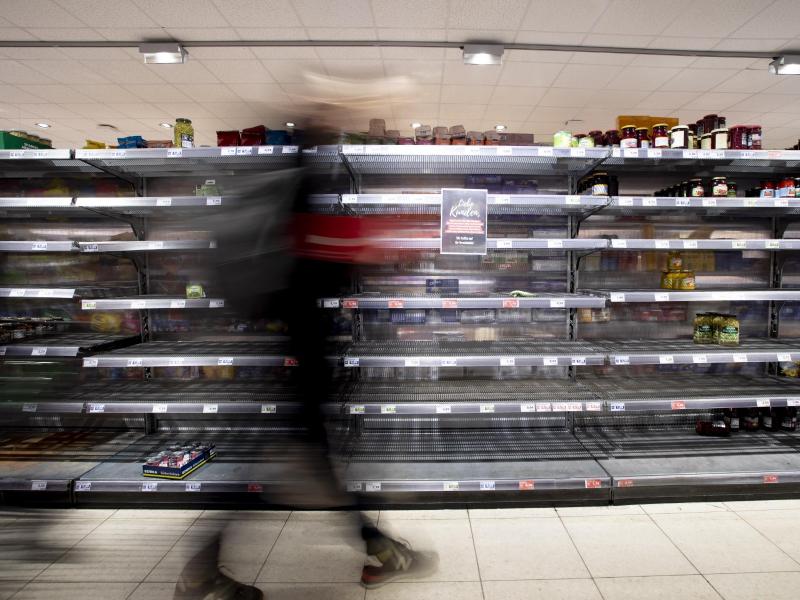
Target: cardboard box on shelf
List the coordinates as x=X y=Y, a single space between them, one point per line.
x=8 y=141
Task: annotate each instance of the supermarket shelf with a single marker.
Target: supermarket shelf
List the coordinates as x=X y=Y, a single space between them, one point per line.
x=648 y=352
x=37 y=246
x=502 y=243
x=374 y=301
x=739 y=162
x=469 y=160
x=19 y=202
x=150 y=302
x=37 y=163
x=712 y=205
x=153 y=205
x=472 y=354
x=36 y=292
x=146 y=246
x=627 y=296
x=761 y=244
x=66 y=345
x=194 y=354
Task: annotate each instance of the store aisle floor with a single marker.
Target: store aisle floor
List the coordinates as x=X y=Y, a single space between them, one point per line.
x=702 y=551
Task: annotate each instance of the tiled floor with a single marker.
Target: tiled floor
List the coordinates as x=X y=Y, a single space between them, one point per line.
x=701 y=551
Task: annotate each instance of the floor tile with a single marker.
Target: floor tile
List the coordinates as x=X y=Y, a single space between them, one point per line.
x=781 y=527
x=625 y=545
x=9 y=588
x=764 y=505
x=315 y=551
x=512 y=549
x=59 y=513
x=160 y=514
x=455 y=590
x=511 y=513
x=541 y=589
x=75 y=591
x=398 y=515
x=599 y=511
x=723 y=543
x=684 y=507
x=331 y=515
x=153 y=591
x=246 y=515
x=319 y=591
x=747 y=586
x=683 y=587
x=450 y=539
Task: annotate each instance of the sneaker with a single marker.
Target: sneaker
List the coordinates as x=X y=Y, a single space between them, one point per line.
x=221 y=587
x=404 y=563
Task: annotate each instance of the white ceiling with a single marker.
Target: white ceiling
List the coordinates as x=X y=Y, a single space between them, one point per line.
x=232 y=88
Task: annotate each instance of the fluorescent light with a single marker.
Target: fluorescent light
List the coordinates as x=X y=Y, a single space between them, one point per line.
x=415 y=125
x=483 y=54
x=785 y=65
x=499 y=127
x=43 y=125
x=163 y=54
x=289 y=124
x=166 y=125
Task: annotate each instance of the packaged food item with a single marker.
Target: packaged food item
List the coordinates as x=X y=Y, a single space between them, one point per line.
x=441 y=136
x=491 y=138
x=731 y=189
x=195 y=290
x=628 y=138
x=754 y=133
x=674 y=261
x=728 y=330
x=767 y=189
x=422 y=134
x=598 y=138
x=750 y=419
x=738 y=137
x=771 y=419
x=719 y=139
x=717 y=426
x=719 y=187
x=731 y=417
x=785 y=188
x=789 y=419
x=661 y=137
x=562 y=139
x=474 y=138
x=684 y=281
x=679 y=137
x=377 y=129
x=228 y=138
x=254 y=136
x=184 y=133
x=612 y=138
x=586 y=141
x=508 y=138
x=642 y=137
x=703 y=328
x=392 y=136
x=706 y=142
x=600 y=184
x=696 y=188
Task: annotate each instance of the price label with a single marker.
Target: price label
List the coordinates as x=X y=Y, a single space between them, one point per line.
x=559 y=407
x=662 y=244
x=699 y=359
x=666 y=359
x=740 y=358
x=682 y=202
x=373 y=486
x=193 y=486
x=138 y=304
x=354 y=486
x=38 y=486
x=30 y=408
x=623 y=201
x=289 y=150
x=450 y=486
x=704 y=154
x=678 y=405
x=358 y=409
x=213 y=200
x=389 y=409
x=83 y=486
x=149 y=486
x=269 y=409
x=174 y=152
x=572 y=200
x=781 y=202
x=750 y=202
x=545 y=151
x=770 y=479
x=265 y=149
x=527 y=408
x=487 y=486
x=350 y=303
x=622 y=360
x=649 y=201
x=163 y=201
x=624 y=482
x=351 y=362
x=227 y=151
x=510 y=303
x=216 y=303
x=159 y=408
x=784 y=357
x=690 y=244
x=763 y=403
x=555 y=243
x=224 y=361
x=487 y=408
x=210 y=409
x=45 y=293
x=594 y=406
x=88 y=304
x=96 y=408
x=505 y=243
x=16 y=293
x=772 y=244
x=331 y=303
x=16 y=154
x=396 y=304
x=709 y=201
x=90 y=247
x=411 y=362
x=155 y=245
x=255 y=488
x=630 y=153
x=746 y=154
x=244 y=150
x=39 y=351
x=578 y=361
x=690 y=154
x=504 y=150
x=619 y=243
x=526 y=485
x=577 y=152
x=507 y=361
x=448 y=362
x=89 y=362
x=134 y=362
x=550 y=361
x=739 y=244
x=449 y=304
x=617 y=406
x=793 y=402
x=617 y=297
x=558 y=303
x=654 y=153
x=177 y=303
x=502 y=199
x=661 y=297
x=39 y=246
x=443 y=409
x=573 y=407
x=593 y=484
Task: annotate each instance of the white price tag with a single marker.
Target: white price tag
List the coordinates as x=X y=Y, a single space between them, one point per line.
x=30 y=408
x=174 y=152
x=709 y=201
x=544 y=407
x=351 y=362
x=690 y=154
x=502 y=199
x=662 y=244
x=574 y=407
x=619 y=243
x=550 y=361
x=558 y=303
x=16 y=154
x=244 y=150
x=505 y=243
x=781 y=202
x=163 y=201
x=661 y=297
x=177 y=303
x=699 y=359
x=210 y=409
x=704 y=154
x=559 y=406
x=96 y=408
x=227 y=151
x=175 y=361
x=717 y=154
x=265 y=149
x=149 y=486
x=354 y=486
x=330 y=303
x=527 y=408
x=216 y=304
x=448 y=362
x=411 y=362
x=89 y=362
x=594 y=406
x=289 y=150
x=649 y=201
x=555 y=243
x=746 y=154
x=134 y=362
x=682 y=202
x=487 y=408
x=507 y=361
x=740 y=358
x=572 y=200
x=450 y=486
x=630 y=153
x=739 y=244
x=622 y=360
x=159 y=408
x=136 y=304
x=373 y=486
x=654 y=153
x=784 y=357
x=358 y=409
x=763 y=403
x=225 y=361
x=772 y=244
x=666 y=359
x=193 y=486
x=16 y=293
x=38 y=486
x=504 y=150
x=39 y=246
x=577 y=152
x=793 y=402
x=213 y=200
x=45 y=293
x=617 y=406
x=545 y=151
x=617 y=297
x=578 y=361
x=487 y=486
x=443 y=409
x=269 y=409
x=690 y=244
x=39 y=351
x=155 y=245
x=83 y=486
x=623 y=201
x=751 y=202
x=389 y=409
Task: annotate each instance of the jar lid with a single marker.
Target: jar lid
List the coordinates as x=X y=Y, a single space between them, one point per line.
x=705 y=135
x=680 y=127
x=717 y=178
x=629 y=126
x=183 y=120
x=696 y=179
x=720 y=130
x=660 y=125
x=613 y=131
x=641 y=129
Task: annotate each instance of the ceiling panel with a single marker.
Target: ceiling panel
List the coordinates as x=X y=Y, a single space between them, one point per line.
x=563 y=16
x=459 y=73
x=108 y=13
x=583 y=76
x=516 y=96
x=258 y=13
x=334 y=13
x=530 y=74
x=646 y=17
x=641 y=78
x=776 y=20
x=238 y=71
x=411 y=14
x=555 y=97
x=154 y=93
x=38 y=13
x=182 y=13
x=497 y=14
x=728 y=16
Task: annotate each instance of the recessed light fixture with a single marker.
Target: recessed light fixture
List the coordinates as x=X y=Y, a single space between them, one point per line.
x=415 y=125
x=483 y=54
x=166 y=125
x=785 y=65
x=43 y=125
x=289 y=124
x=163 y=54
x=499 y=127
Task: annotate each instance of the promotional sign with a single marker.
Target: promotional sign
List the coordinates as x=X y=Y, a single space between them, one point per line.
x=463 y=221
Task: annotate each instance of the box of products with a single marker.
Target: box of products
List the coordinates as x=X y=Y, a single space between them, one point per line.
x=179 y=460
x=515 y=139
x=19 y=140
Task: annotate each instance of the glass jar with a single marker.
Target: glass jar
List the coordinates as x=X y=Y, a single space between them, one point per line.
x=674 y=261
x=691 y=143
x=703 y=329
x=731 y=189
x=184 y=133
x=719 y=139
x=797 y=187
x=699 y=129
x=684 y=189
x=738 y=137
x=719 y=187
x=562 y=139
x=785 y=188
x=710 y=123
x=600 y=184
x=767 y=189
x=628 y=139
x=585 y=141
x=685 y=281
x=660 y=136
x=597 y=136
x=706 y=142
x=754 y=132
x=642 y=137
x=696 y=188
x=679 y=137
x=729 y=331
x=612 y=137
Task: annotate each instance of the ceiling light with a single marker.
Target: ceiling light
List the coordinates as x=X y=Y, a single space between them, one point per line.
x=785 y=65
x=166 y=125
x=415 y=125
x=483 y=54
x=499 y=127
x=43 y=125
x=163 y=54
x=289 y=124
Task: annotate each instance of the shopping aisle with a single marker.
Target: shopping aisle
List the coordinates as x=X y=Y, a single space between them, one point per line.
x=733 y=550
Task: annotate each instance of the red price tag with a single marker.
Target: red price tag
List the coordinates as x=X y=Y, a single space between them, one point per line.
x=770 y=479
x=526 y=484
x=449 y=303
x=289 y=362
x=625 y=483
x=511 y=303
x=678 y=405
x=350 y=303
x=255 y=487
x=593 y=484
x=395 y=304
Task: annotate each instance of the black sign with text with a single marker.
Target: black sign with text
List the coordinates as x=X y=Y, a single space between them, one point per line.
x=463 y=221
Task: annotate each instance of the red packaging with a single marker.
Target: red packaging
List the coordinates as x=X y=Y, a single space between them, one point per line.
x=254 y=136
x=228 y=138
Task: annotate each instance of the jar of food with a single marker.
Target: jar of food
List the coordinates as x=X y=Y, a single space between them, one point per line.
x=738 y=137
x=685 y=189
x=660 y=136
x=674 y=261
x=731 y=189
x=679 y=137
x=585 y=141
x=719 y=139
x=642 y=138
x=691 y=143
x=719 y=187
x=703 y=329
x=184 y=133
x=785 y=188
x=684 y=281
x=576 y=139
x=699 y=129
x=562 y=139
x=797 y=187
x=612 y=137
x=696 y=188
x=729 y=331
x=628 y=139
x=597 y=136
x=755 y=136
x=716 y=320
x=767 y=189
x=706 y=142
x=710 y=123
x=666 y=280
x=600 y=184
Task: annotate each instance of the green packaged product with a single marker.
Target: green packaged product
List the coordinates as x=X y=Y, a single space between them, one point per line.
x=729 y=331
x=704 y=328
x=195 y=290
